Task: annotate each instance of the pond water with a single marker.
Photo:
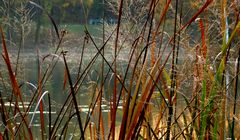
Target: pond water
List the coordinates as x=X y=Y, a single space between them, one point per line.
x=28 y=73
x=54 y=84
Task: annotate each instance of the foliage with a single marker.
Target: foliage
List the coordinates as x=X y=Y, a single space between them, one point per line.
x=158 y=73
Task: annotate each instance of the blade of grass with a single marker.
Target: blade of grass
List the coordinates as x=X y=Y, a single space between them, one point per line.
x=154 y=69
x=74 y=98
x=66 y=124
x=173 y=75
x=49 y=16
x=126 y=107
x=176 y=72
x=198 y=72
x=235 y=93
x=49 y=116
x=65 y=79
x=154 y=74
x=114 y=98
x=77 y=86
x=35 y=110
x=39 y=96
x=217 y=82
x=14 y=83
x=204 y=47
x=4 y=119
x=150 y=19
x=225 y=93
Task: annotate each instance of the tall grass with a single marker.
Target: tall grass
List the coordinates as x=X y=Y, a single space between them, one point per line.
x=173 y=86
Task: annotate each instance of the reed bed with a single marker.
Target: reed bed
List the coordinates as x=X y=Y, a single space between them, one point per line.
x=179 y=80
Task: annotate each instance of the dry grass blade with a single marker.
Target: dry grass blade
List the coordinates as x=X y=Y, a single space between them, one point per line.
x=114 y=98
x=204 y=47
x=162 y=18
x=13 y=79
x=43 y=131
x=74 y=98
x=50 y=117
x=14 y=83
x=65 y=79
x=235 y=94
x=153 y=49
x=200 y=11
x=50 y=17
x=145 y=71
x=225 y=27
x=6 y=123
x=77 y=86
x=99 y=52
x=173 y=75
x=1 y=136
x=128 y=98
x=147 y=92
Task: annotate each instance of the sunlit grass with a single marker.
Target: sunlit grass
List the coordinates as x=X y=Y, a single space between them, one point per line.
x=170 y=86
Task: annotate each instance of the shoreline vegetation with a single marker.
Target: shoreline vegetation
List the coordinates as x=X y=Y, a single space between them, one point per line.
x=162 y=70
